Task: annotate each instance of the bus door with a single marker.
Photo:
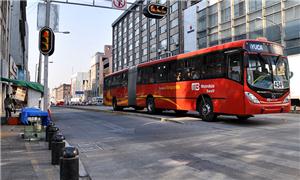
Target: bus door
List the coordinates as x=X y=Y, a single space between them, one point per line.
x=234 y=88
x=132 y=77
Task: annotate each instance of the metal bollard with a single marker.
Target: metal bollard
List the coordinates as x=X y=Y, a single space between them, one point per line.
x=51 y=132
x=69 y=164
x=57 y=147
x=51 y=124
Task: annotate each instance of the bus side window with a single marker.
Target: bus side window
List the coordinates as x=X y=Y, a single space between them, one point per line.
x=234 y=66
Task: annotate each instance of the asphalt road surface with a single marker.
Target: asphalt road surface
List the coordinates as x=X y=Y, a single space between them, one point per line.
x=118 y=146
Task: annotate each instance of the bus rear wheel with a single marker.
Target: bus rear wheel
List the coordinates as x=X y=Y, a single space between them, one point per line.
x=150 y=105
x=206 y=110
x=115 y=105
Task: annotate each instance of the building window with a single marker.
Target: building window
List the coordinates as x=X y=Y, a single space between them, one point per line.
x=239 y=8
x=130 y=58
x=137 y=18
x=213 y=16
x=144 y=51
x=271 y=2
x=130 y=47
x=174 y=7
x=137 y=55
x=202 y=20
x=174 y=39
x=130 y=36
x=225 y=15
x=153 y=48
x=226 y=36
x=153 y=35
x=137 y=32
x=163 y=44
x=163 y=29
x=213 y=39
x=130 y=25
x=137 y=43
x=144 y=39
x=255 y=28
x=144 y=27
x=152 y=22
x=272 y=30
x=254 y=5
x=174 y=23
x=240 y=32
x=162 y=1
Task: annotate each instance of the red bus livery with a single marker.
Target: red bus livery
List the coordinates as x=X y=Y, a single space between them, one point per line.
x=239 y=78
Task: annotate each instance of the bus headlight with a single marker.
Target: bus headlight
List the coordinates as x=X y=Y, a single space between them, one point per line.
x=286 y=99
x=252 y=98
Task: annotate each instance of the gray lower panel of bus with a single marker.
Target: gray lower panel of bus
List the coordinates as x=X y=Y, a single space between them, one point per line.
x=132 y=75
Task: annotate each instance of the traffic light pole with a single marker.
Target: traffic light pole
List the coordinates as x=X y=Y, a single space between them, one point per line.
x=46 y=92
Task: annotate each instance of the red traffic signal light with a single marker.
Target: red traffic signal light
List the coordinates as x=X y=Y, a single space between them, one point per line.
x=46 y=41
x=156 y=11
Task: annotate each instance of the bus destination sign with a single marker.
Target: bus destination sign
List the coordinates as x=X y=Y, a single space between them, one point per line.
x=264 y=47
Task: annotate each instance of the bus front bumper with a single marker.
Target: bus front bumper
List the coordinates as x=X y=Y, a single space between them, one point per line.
x=267 y=108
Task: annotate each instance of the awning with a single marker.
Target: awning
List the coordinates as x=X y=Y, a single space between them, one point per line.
x=31 y=85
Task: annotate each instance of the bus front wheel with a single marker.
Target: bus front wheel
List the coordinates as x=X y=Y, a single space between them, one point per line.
x=206 y=110
x=150 y=105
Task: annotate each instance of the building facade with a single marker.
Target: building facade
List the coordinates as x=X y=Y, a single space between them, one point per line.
x=14 y=44
x=212 y=22
x=138 y=39
x=63 y=93
x=79 y=84
x=100 y=66
x=4 y=50
x=19 y=39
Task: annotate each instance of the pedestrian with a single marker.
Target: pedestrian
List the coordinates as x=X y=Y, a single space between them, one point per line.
x=9 y=106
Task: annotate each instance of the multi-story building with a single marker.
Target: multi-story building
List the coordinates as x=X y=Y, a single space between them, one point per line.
x=19 y=39
x=4 y=50
x=79 y=84
x=100 y=66
x=138 y=39
x=63 y=93
x=14 y=44
x=212 y=22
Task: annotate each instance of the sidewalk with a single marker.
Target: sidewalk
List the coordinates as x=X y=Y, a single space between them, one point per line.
x=22 y=159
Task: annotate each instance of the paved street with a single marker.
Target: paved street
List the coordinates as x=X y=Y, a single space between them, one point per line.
x=119 y=146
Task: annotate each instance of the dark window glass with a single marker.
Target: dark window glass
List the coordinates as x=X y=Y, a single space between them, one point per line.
x=161 y=72
x=145 y=75
x=234 y=66
x=213 y=65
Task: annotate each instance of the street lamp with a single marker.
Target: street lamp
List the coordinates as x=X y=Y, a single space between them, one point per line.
x=280 y=29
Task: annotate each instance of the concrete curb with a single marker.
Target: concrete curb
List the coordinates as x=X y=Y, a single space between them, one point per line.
x=83 y=174
x=117 y=112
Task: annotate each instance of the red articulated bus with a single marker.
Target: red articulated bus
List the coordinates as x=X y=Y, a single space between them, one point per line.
x=241 y=78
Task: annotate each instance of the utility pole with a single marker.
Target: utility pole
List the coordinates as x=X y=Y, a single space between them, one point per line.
x=39 y=74
x=46 y=94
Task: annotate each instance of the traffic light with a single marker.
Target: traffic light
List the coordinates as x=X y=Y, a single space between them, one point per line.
x=156 y=11
x=46 y=41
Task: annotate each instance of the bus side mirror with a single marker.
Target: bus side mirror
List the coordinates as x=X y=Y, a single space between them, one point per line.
x=291 y=74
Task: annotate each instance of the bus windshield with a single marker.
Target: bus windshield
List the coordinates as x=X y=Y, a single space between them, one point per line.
x=267 y=72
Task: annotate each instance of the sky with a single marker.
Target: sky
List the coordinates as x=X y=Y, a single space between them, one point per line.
x=90 y=29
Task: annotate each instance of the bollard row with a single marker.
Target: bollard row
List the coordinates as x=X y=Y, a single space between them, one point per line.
x=66 y=157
